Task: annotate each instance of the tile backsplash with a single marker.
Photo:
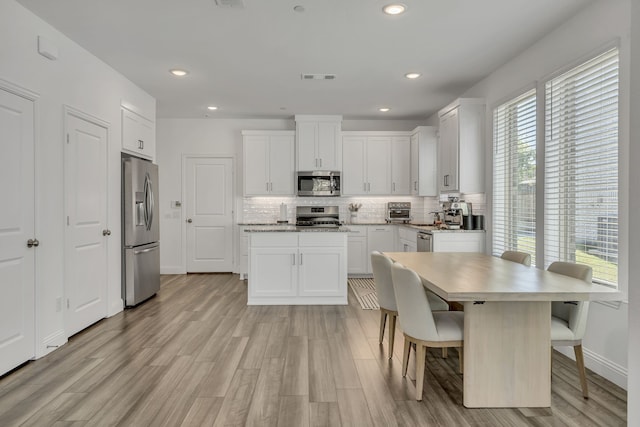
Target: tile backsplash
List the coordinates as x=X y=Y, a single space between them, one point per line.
x=374 y=209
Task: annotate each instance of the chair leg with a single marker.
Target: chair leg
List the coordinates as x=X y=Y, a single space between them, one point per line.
x=420 y=361
x=461 y=359
x=577 y=349
x=405 y=356
x=444 y=352
x=392 y=333
x=383 y=320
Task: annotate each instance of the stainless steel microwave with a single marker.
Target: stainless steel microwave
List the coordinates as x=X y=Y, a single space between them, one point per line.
x=318 y=183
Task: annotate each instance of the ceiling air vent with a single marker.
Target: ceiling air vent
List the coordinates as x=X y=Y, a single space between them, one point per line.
x=318 y=76
x=238 y=4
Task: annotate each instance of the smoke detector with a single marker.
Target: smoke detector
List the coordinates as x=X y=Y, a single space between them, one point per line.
x=317 y=76
x=238 y=4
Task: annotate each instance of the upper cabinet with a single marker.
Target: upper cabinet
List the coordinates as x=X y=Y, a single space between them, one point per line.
x=138 y=135
x=424 y=158
x=375 y=163
x=268 y=163
x=318 y=142
x=461 y=147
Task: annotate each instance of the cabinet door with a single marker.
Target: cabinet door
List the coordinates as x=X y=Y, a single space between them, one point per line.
x=400 y=166
x=353 y=175
x=448 y=152
x=306 y=135
x=329 y=148
x=273 y=272
x=458 y=242
x=357 y=254
x=256 y=165
x=281 y=165
x=322 y=272
x=138 y=134
x=380 y=238
x=378 y=165
x=415 y=141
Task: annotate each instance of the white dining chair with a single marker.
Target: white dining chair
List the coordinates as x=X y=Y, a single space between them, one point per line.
x=569 y=319
x=519 y=257
x=381 y=266
x=422 y=326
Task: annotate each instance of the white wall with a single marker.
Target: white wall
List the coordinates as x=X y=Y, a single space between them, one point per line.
x=633 y=396
x=217 y=137
x=80 y=80
x=603 y=22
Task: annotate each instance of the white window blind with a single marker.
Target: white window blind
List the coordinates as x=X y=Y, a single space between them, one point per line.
x=514 y=175
x=581 y=167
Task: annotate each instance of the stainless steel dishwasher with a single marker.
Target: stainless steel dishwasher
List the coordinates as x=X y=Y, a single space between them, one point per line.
x=425 y=241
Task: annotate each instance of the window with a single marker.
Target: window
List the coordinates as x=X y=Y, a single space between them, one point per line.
x=581 y=167
x=514 y=175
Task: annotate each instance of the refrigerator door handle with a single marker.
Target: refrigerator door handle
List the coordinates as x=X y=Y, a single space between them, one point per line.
x=152 y=206
x=148 y=202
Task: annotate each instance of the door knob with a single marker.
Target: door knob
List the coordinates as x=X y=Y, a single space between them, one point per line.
x=106 y=232
x=33 y=242
x=189 y=220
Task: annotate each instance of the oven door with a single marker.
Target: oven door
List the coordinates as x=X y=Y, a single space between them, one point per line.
x=425 y=242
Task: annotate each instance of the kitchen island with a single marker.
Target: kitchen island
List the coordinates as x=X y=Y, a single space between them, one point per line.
x=291 y=265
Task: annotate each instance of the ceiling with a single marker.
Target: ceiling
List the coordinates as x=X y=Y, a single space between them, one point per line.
x=248 y=61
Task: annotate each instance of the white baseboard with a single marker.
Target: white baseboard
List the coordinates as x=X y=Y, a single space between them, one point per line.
x=116 y=307
x=52 y=342
x=615 y=373
x=172 y=270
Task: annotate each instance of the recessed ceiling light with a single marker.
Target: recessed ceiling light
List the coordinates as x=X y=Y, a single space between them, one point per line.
x=178 y=72
x=212 y=107
x=412 y=75
x=384 y=109
x=394 y=9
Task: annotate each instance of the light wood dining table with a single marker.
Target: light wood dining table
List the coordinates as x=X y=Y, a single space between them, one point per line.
x=507 y=321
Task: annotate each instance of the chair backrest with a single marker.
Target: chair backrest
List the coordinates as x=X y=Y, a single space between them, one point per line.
x=414 y=311
x=519 y=257
x=575 y=313
x=381 y=266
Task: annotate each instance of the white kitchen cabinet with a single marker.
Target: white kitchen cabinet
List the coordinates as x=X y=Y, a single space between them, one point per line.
x=268 y=163
x=400 y=165
x=367 y=161
x=424 y=161
x=407 y=239
x=357 y=255
x=381 y=238
x=453 y=241
x=297 y=268
x=318 y=143
x=138 y=135
x=461 y=147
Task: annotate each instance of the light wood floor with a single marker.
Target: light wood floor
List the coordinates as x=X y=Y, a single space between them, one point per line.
x=197 y=355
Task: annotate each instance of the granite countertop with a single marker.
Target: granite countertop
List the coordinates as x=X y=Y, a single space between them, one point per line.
x=290 y=228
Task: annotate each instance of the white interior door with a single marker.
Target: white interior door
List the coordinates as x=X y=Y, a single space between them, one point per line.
x=209 y=213
x=17 y=261
x=87 y=232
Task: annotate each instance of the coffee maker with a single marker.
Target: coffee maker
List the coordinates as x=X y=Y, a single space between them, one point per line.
x=458 y=214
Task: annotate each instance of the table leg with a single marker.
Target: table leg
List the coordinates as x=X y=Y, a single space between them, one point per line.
x=507 y=349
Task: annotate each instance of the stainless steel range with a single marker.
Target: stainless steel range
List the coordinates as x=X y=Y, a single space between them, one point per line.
x=317 y=216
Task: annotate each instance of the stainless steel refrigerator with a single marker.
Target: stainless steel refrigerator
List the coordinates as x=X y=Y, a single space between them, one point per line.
x=140 y=231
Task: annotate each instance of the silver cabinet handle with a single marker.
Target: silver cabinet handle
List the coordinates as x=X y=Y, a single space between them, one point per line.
x=415 y=185
x=321 y=162
x=189 y=220
x=33 y=243
x=141 y=144
x=267 y=186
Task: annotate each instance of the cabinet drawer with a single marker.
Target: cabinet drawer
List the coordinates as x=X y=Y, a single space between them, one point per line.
x=407 y=233
x=322 y=239
x=276 y=239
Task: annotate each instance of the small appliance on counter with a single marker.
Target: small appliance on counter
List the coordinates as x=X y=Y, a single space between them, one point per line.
x=457 y=214
x=317 y=216
x=399 y=212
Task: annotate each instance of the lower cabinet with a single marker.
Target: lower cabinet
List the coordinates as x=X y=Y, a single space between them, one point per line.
x=308 y=268
x=365 y=239
x=458 y=241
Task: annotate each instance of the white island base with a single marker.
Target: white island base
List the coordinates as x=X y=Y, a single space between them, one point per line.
x=297 y=268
